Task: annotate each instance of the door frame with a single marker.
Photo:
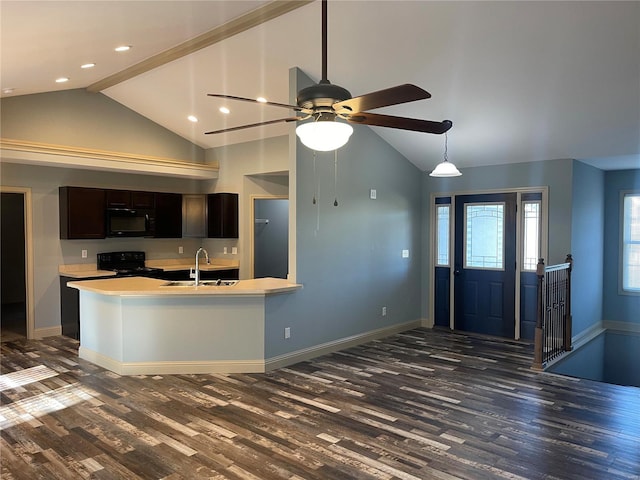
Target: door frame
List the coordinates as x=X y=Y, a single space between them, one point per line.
x=252 y=225
x=544 y=244
x=28 y=250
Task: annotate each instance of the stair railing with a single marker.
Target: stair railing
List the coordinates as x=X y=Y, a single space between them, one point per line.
x=553 y=322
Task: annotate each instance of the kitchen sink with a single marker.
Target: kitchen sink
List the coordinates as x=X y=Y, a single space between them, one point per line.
x=203 y=283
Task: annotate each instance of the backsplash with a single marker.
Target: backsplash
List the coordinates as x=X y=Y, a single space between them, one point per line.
x=155 y=248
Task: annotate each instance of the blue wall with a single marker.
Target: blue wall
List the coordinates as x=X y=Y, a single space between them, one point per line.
x=587 y=246
x=611 y=357
x=622 y=355
x=556 y=174
x=586 y=362
x=618 y=308
x=349 y=256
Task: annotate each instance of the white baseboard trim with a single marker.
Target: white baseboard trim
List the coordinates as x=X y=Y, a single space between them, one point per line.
x=426 y=323
x=622 y=326
x=587 y=335
x=40 y=333
x=305 y=354
x=241 y=366
x=168 y=368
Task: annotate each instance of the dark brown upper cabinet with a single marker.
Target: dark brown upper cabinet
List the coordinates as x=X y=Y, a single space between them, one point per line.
x=168 y=215
x=145 y=200
x=118 y=198
x=222 y=215
x=130 y=199
x=82 y=212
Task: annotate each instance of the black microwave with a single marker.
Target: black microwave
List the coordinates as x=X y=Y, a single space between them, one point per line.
x=130 y=222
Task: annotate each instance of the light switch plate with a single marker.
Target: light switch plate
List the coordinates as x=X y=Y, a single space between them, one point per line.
x=180 y=249
x=405 y=253
x=234 y=250
x=224 y=250
x=84 y=254
x=373 y=194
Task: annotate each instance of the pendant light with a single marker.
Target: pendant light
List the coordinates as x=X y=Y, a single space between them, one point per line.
x=324 y=134
x=445 y=168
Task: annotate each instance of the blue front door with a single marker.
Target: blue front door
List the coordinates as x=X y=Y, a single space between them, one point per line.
x=485 y=263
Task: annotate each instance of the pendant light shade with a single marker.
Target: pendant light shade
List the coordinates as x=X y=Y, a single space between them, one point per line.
x=323 y=136
x=445 y=168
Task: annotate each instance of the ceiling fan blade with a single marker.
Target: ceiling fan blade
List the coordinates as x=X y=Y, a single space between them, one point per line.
x=382 y=98
x=242 y=127
x=253 y=100
x=414 y=124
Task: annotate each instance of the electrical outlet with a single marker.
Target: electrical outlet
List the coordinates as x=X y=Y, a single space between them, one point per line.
x=373 y=194
x=405 y=253
x=384 y=311
x=234 y=250
x=287 y=332
x=224 y=250
x=180 y=249
x=84 y=254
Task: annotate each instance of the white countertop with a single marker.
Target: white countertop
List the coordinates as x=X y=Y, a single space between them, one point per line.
x=143 y=286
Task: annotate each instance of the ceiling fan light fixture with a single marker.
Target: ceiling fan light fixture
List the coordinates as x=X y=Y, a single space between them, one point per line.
x=445 y=168
x=324 y=136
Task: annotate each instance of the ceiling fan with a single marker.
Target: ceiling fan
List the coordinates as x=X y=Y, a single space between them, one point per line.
x=325 y=102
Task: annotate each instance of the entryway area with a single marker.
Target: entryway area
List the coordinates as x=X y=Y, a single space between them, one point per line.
x=485 y=249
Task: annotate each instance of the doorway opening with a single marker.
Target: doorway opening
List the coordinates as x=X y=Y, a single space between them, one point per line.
x=485 y=249
x=16 y=258
x=270 y=237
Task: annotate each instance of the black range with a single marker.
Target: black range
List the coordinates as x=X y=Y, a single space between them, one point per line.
x=126 y=264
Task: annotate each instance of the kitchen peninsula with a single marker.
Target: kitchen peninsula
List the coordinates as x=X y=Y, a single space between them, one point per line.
x=140 y=325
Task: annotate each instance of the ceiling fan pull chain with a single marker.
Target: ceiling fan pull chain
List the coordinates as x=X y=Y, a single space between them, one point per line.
x=335 y=177
x=315 y=178
x=318 y=195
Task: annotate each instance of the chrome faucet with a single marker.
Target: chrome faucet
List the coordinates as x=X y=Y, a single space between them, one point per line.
x=196 y=274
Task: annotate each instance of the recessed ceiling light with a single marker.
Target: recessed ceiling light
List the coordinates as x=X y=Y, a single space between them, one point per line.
x=123 y=48
x=62 y=80
x=261 y=100
x=224 y=110
x=192 y=118
x=88 y=65
x=8 y=91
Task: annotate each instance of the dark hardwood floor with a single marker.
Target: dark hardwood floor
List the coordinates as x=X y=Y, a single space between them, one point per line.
x=419 y=405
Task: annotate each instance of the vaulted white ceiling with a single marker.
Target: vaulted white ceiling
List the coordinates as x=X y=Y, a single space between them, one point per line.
x=521 y=81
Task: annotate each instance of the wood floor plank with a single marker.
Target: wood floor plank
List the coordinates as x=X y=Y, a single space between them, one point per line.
x=423 y=404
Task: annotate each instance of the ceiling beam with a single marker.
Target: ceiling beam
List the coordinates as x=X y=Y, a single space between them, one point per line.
x=249 y=20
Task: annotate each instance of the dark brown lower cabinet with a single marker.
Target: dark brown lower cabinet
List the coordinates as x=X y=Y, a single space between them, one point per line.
x=70 y=307
x=230 y=274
